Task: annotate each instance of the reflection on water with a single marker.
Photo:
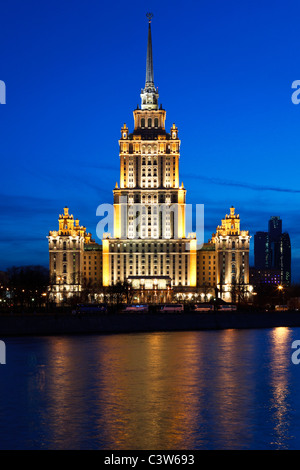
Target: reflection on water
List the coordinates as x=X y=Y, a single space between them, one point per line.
x=231 y=389
x=279 y=385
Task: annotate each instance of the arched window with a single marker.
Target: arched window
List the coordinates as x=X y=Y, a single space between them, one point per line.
x=149 y=122
x=64 y=245
x=142 y=122
x=233 y=245
x=155 y=122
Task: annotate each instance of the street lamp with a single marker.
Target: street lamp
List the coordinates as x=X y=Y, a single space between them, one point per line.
x=280 y=288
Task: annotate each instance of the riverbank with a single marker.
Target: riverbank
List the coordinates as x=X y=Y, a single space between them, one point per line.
x=66 y=324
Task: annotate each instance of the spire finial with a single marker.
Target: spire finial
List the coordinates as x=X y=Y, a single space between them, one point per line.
x=149 y=94
x=149 y=63
x=149 y=16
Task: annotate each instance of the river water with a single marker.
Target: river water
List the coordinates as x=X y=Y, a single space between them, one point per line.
x=230 y=389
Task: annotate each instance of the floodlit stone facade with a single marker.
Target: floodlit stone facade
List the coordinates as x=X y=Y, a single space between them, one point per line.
x=149 y=249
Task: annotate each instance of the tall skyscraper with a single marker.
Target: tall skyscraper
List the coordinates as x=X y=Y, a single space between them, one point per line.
x=262 y=253
x=285 y=258
x=272 y=250
x=275 y=232
x=275 y=227
x=149 y=246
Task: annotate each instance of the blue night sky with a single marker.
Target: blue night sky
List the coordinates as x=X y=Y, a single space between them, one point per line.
x=73 y=72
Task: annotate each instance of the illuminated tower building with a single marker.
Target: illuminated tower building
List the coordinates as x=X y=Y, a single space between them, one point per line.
x=149 y=247
x=66 y=257
x=232 y=258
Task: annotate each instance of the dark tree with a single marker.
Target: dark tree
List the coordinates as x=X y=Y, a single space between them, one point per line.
x=27 y=284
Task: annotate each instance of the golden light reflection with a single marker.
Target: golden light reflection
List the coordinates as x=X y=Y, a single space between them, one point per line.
x=63 y=388
x=165 y=390
x=230 y=405
x=280 y=341
x=156 y=399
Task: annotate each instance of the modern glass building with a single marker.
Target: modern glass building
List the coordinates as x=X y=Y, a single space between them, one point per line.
x=272 y=250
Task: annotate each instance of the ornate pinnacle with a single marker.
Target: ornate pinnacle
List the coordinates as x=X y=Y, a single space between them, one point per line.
x=149 y=16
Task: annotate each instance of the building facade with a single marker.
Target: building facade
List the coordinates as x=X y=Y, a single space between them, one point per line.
x=272 y=250
x=67 y=259
x=262 y=251
x=265 y=277
x=149 y=249
x=285 y=259
x=232 y=259
x=207 y=269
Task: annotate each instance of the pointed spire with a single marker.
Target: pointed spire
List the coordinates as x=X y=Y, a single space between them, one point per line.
x=149 y=64
x=149 y=94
